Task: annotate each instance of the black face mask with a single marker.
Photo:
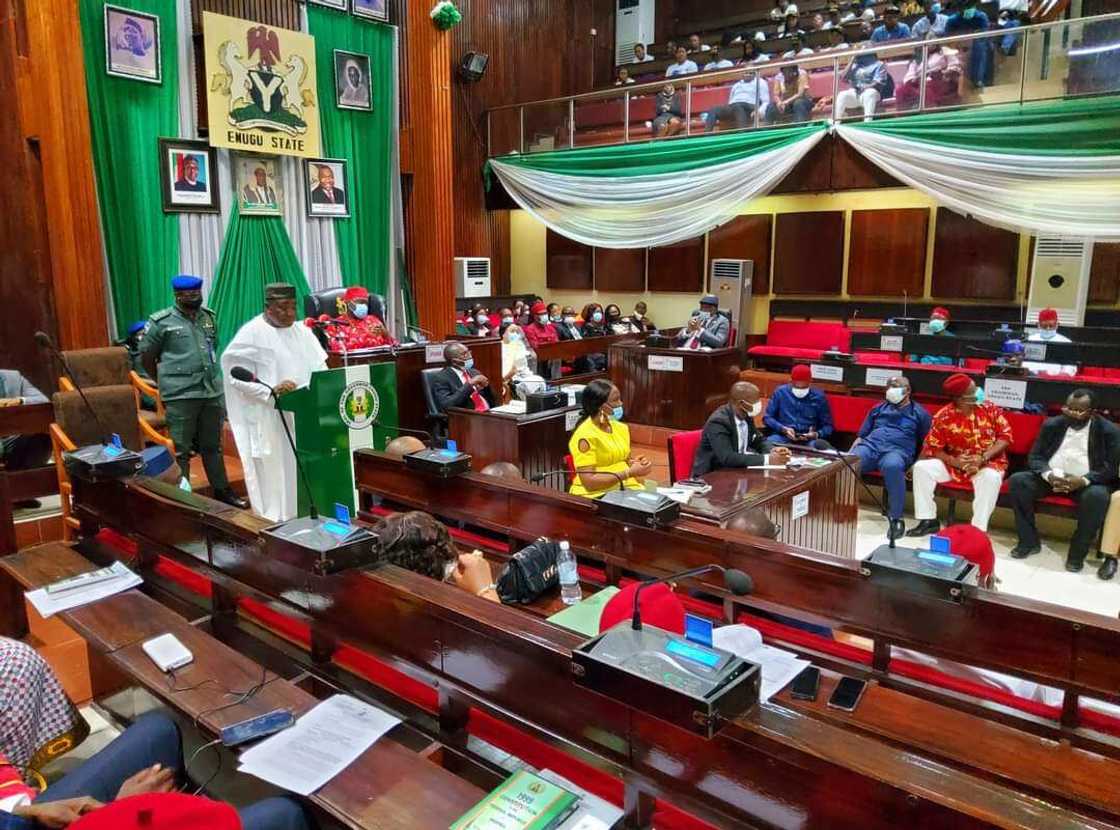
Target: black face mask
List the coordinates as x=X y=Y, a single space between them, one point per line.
x=189 y=304
x=1075 y=423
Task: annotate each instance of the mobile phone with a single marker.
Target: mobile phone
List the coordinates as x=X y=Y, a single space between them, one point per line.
x=806 y=684
x=249 y=730
x=847 y=694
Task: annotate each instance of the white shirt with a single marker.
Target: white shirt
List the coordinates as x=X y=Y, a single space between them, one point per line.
x=743 y=428
x=744 y=92
x=1072 y=457
x=720 y=64
x=646 y=59
x=686 y=68
x=1037 y=368
x=791 y=54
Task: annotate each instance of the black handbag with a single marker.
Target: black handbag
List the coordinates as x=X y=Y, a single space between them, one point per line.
x=529 y=573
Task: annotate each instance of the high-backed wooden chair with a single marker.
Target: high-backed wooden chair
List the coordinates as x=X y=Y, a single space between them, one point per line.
x=74 y=427
x=110 y=366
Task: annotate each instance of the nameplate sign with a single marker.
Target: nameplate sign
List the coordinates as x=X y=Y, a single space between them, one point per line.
x=433 y=353
x=833 y=373
x=571 y=419
x=880 y=377
x=665 y=363
x=799 y=506
x=1034 y=351
x=890 y=343
x=1011 y=394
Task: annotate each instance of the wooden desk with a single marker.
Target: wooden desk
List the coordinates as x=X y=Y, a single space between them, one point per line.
x=572 y=349
x=827 y=522
x=536 y=443
x=672 y=388
x=18 y=485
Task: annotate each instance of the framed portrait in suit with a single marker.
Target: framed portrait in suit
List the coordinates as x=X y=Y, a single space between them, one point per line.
x=259 y=186
x=327 y=189
x=132 y=45
x=188 y=176
x=372 y=9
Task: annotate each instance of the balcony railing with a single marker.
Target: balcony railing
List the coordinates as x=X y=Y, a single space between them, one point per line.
x=1068 y=58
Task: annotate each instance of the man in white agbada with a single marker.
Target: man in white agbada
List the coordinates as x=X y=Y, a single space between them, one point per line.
x=282 y=355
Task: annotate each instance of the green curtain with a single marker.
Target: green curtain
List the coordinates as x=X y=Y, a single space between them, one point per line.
x=127 y=118
x=364 y=139
x=256 y=251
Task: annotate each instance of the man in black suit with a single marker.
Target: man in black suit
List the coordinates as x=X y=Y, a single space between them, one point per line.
x=1076 y=455
x=730 y=437
x=325 y=193
x=189 y=183
x=459 y=384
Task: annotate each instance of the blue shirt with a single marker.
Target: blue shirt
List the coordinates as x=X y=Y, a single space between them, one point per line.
x=935 y=359
x=808 y=414
x=959 y=24
x=882 y=33
x=923 y=26
x=899 y=428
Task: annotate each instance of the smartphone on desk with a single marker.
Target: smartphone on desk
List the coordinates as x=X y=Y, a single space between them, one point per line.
x=847 y=694
x=806 y=684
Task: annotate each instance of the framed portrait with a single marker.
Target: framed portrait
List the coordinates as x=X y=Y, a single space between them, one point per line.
x=372 y=9
x=132 y=45
x=341 y=5
x=352 y=81
x=328 y=195
x=188 y=176
x=260 y=190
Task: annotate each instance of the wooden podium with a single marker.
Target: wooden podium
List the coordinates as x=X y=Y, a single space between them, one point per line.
x=537 y=443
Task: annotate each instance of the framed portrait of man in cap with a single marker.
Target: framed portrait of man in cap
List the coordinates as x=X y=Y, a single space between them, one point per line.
x=132 y=45
x=188 y=176
x=328 y=194
x=259 y=186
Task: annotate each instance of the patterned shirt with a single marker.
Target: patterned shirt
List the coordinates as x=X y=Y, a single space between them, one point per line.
x=955 y=433
x=367 y=333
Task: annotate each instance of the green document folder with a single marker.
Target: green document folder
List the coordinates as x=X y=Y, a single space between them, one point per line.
x=523 y=801
x=583 y=617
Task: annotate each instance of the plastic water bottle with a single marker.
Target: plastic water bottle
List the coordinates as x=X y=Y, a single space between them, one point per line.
x=570 y=591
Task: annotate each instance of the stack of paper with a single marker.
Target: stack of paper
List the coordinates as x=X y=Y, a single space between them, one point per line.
x=83 y=589
x=319 y=746
x=778 y=666
x=511 y=408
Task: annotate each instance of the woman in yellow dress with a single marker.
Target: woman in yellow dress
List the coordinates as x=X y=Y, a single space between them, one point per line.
x=600 y=445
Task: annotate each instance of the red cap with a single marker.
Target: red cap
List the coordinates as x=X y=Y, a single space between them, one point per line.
x=539 y=308
x=356 y=292
x=1048 y=315
x=956 y=385
x=973 y=544
x=659 y=606
x=941 y=312
x=801 y=372
x=161 y=811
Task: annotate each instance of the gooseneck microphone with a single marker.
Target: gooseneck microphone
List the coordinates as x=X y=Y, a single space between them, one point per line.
x=738 y=582
x=843 y=456
x=44 y=340
x=242 y=374
x=403 y=430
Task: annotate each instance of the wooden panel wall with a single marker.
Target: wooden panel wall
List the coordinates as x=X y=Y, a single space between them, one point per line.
x=887 y=252
x=620 y=270
x=1104 y=279
x=972 y=260
x=677 y=267
x=833 y=165
x=809 y=253
x=745 y=237
x=568 y=263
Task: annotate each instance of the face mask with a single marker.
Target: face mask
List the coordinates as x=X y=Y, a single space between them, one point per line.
x=192 y=304
x=969 y=14
x=756 y=409
x=638 y=315
x=800 y=393
x=542 y=318
x=468 y=363
x=895 y=395
x=597 y=317
x=1077 y=423
x=481 y=319
x=513 y=336
x=555 y=318
x=1048 y=334
x=934 y=10
x=507 y=320
x=570 y=321
x=937 y=325
x=703 y=315
x=360 y=311
x=616 y=413
x=979 y=395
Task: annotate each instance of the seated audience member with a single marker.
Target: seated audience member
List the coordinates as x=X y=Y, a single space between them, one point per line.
x=942 y=76
x=623 y=78
x=932 y=22
x=909 y=8
x=747 y=94
x=869 y=83
x=422 y=544
x=695 y=46
x=505 y=318
x=752 y=54
x=1048 y=333
x=481 y=325
x=1110 y=539
x=706 y=326
x=616 y=322
x=554 y=314
x=852 y=12
x=978 y=53
x=657 y=604
x=639 y=319
x=403 y=445
x=890 y=28
x=142 y=762
x=889 y=441
x=682 y=65
x=778 y=13
x=1009 y=43
x=868 y=13
x=939 y=325
x=671 y=49
x=22 y=452
x=518 y=376
x=640 y=54
x=791 y=27
x=798 y=49
x=817 y=24
x=600 y=445
x=832 y=21
x=540 y=330
x=361 y=330
x=520 y=312
x=670 y=114
x=967 y=443
x=790 y=99
x=594 y=325
x=715 y=62
x=502 y=469
x=1076 y=454
x=730 y=437
x=755 y=522
x=458 y=384
x=568 y=328
x=798 y=413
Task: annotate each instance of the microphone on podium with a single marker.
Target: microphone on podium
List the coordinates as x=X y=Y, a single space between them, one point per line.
x=738 y=582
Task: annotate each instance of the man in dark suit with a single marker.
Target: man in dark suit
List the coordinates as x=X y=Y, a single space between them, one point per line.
x=1076 y=454
x=730 y=437
x=459 y=384
x=325 y=193
x=189 y=182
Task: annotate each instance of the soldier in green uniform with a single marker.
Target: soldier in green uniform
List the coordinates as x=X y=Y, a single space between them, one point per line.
x=179 y=349
x=135 y=361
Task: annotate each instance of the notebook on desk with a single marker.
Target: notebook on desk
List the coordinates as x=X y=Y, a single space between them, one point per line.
x=583 y=617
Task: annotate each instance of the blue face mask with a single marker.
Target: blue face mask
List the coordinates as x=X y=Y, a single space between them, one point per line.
x=937 y=325
x=616 y=413
x=468 y=363
x=1048 y=334
x=935 y=9
x=969 y=14
x=360 y=311
x=979 y=395
x=597 y=317
x=514 y=336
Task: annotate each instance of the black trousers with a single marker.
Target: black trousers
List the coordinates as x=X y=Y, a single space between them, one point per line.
x=739 y=112
x=25 y=452
x=1092 y=504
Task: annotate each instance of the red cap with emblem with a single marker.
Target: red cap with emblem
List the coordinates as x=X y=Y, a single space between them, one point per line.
x=356 y=292
x=956 y=385
x=659 y=606
x=1048 y=315
x=941 y=312
x=539 y=308
x=972 y=544
x=161 y=811
x=801 y=372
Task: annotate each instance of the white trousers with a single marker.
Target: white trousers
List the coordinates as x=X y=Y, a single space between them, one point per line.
x=929 y=472
x=849 y=99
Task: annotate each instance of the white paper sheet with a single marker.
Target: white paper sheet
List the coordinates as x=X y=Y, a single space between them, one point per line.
x=593 y=813
x=50 y=604
x=779 y=666
x=321 y=745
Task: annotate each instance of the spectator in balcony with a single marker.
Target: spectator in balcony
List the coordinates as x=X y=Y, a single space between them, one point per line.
x=891 y=28
x=790 y=98
x=798 y=413
x=932 y=22
x=942 y=76
x=696 y=46
x=833 y=21
x=939 y=325
x=852 y=12
x=868 y=14
x=752 y=54
x=682 y=66
x=799 y=49
x=670 y=115
x=978 y=53
x=540 y=330
x=640 y=319
x=837 y=41
x=640 y=54
x=623 y=78
x=671 y=49
x=1009 y=43
x=779 y=10
x=791 y=26
x=869 y=83
x=910 y=8
x=715 y=62
x=748 y=94
x=817 y=24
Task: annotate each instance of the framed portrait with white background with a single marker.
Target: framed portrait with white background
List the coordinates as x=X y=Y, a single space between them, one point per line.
x=328 y=191
x=188 y=176
x=351 y=81
x=132 y=45
x=257 y=182
x=340 y=5
x=372 y=9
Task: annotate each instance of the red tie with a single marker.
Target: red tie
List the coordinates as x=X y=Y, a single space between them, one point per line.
x=480 y=404
x=695 y=342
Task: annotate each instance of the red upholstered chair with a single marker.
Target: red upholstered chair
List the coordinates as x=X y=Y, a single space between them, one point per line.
x=849 y=412
x=682 y=448
x=801 y=339
x=1024 y=430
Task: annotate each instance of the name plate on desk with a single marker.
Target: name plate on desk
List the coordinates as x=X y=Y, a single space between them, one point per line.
x=571 y=420
x=665 y=363
x=799 y=506
x=833 y=373
x=890 y=343
x=1011 y=394
x=1034 y=351
x=880 y=377
x=433 y=353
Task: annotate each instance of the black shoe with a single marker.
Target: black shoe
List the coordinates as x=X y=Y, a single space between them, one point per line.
x=1021 y=551
x=1107 y=570
x=27 y=504
x=897 y=529
x=232 y=499
x=924 y=528
x=1074 y=566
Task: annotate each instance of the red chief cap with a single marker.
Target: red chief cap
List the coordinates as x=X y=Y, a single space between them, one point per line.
x=956 y=385
x=801 y=372
x=1048 y=315
x=972 y=544
x=356 y=292
x=539 y=308
x=941 y=312
x=659 y=606
x=161 y=811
